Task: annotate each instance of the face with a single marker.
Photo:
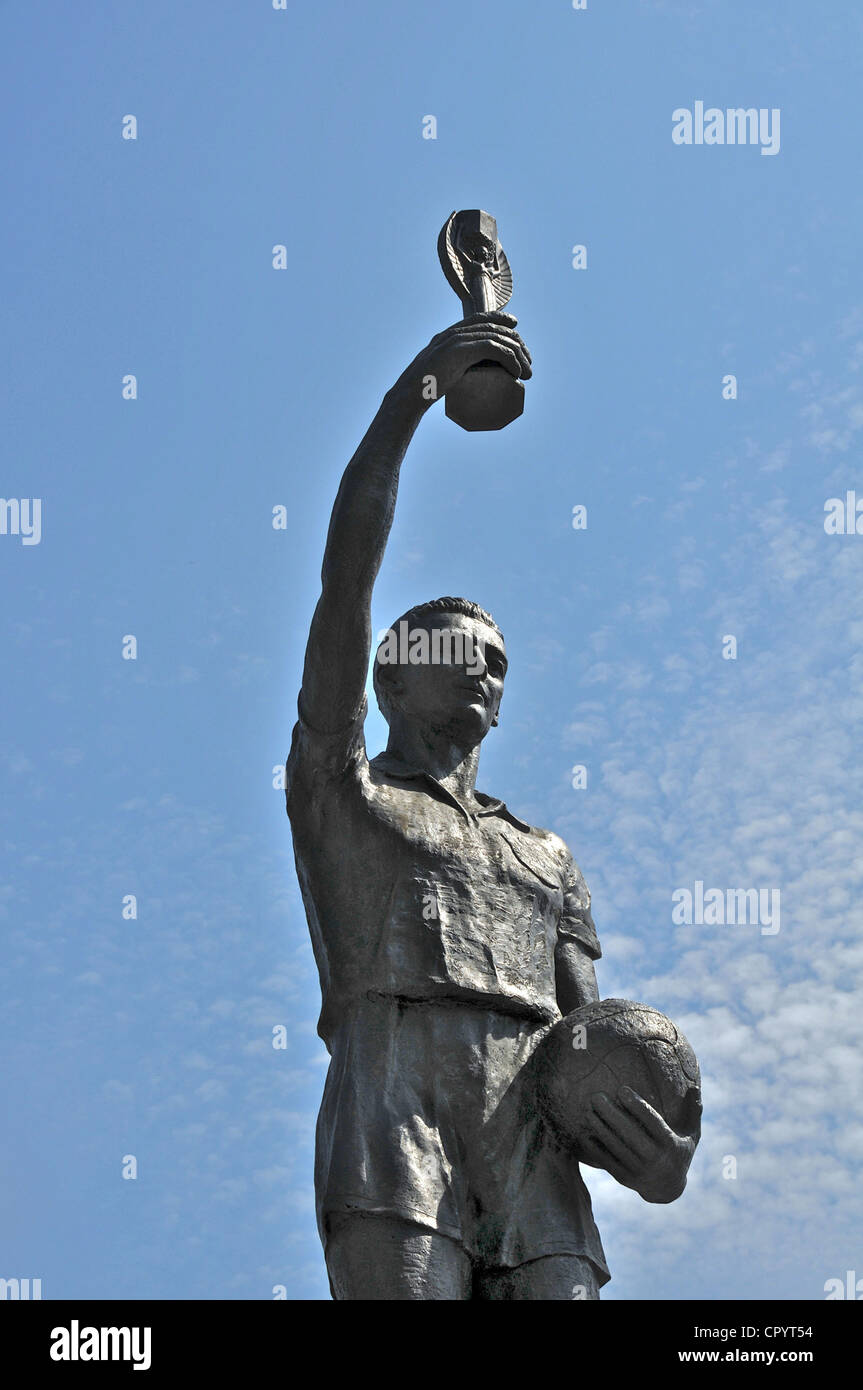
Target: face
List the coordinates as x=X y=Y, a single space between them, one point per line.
x=459 y=697
x=477 y=248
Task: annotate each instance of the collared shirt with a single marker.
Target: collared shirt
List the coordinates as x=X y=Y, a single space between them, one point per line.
x=410 y=894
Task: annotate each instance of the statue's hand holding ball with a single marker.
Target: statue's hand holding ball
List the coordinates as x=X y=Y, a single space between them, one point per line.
x=632 y=1142
x=619 y=1085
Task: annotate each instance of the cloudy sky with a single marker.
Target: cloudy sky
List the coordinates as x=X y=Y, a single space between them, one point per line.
x=304 y=127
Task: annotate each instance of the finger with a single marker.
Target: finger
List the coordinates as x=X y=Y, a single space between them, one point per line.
x=515 y=341
x=501 y=340
x=524 y=347
x=485 y=330
x=491 y=351
x=647 y=1117
x=616 y=1144
x=491 y=329
x=519 y=339
x=627 y=1129
x=492 y=320
x=596 y=1155
x=492 y=316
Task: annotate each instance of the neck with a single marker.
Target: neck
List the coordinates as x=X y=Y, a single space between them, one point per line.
x=434 y=752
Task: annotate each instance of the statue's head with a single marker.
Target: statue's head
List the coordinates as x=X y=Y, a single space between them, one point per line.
x=475 y=235
x=441 y=666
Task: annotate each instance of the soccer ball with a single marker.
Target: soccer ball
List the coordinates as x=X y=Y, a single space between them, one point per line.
x=609 y=1044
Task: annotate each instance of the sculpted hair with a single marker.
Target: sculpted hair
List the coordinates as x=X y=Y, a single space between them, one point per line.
x=419 y=616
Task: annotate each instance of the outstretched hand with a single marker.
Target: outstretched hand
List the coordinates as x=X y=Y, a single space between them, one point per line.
x=632 y=1142
x=486 y=337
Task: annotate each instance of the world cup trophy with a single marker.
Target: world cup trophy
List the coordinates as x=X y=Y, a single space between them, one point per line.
x=487 y=397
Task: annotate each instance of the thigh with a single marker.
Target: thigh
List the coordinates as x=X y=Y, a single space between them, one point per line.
x=554 y=1278
x=376 y=1257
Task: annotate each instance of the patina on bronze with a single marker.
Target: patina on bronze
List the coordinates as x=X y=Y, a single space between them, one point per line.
x=487 y=397
x=452 y=938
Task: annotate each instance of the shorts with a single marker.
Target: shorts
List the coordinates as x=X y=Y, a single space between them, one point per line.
x=425 y=1116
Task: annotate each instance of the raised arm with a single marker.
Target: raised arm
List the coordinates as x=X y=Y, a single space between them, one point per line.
x=339 y=645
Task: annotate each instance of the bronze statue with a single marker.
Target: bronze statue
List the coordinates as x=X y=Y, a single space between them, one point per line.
x=454 y=942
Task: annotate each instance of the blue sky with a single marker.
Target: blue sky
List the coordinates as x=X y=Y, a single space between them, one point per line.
x=154 y=777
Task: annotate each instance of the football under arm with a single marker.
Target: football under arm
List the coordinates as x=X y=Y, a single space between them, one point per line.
x=575 y=976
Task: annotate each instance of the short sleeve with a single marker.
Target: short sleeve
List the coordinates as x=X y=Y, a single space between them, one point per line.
x=318 y=758
x=576 y=923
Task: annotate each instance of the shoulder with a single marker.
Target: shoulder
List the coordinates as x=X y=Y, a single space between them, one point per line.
x=576 y=919
x=538 y=847
x=550 y=856
x=319 y=758
x=550 y=845
x=553 y=844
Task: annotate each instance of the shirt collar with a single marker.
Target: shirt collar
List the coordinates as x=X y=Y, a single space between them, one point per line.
x=393 y=766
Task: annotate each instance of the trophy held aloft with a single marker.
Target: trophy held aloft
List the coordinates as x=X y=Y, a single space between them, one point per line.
x=487 y=397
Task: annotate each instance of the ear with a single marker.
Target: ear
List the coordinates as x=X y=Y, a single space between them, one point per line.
x=387 y=676
x=495 y=721
x=392 y=687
